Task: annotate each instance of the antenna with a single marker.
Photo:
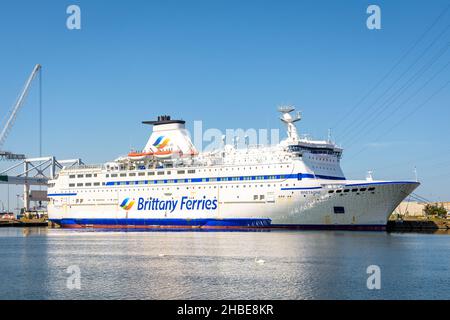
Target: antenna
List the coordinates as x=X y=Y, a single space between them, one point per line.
x=415 y=174
x=287 y=118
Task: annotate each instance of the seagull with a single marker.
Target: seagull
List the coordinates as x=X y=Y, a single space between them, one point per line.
x=259 y=261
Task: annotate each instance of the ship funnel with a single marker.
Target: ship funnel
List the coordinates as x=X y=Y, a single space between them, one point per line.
x=169 y=138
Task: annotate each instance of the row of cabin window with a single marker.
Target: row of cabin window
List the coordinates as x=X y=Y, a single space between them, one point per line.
x=187 y=188
x=247 y=178
x=88 y=175
x=353 y=190
x=87 y=184
x=150 y=173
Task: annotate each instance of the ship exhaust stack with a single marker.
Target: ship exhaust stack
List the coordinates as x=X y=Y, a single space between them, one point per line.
x=169 y=139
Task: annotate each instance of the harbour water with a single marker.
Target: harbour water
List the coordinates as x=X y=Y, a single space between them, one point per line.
x=221 y=265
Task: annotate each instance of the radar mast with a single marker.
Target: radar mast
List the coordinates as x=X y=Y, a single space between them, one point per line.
x=289 y=120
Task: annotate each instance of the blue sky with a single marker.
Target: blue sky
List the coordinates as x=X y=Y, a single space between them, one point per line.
x=230 y=63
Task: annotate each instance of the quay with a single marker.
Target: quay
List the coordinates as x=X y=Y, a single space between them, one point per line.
x=419 y=225
x=23 y=223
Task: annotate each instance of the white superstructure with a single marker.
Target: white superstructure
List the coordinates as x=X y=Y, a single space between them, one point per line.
x=297 y=183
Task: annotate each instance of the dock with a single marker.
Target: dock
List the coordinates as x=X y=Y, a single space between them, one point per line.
x=23 y=223
x=425 y=225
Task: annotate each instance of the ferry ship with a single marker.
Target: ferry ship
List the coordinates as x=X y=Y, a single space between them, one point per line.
x=297 y=183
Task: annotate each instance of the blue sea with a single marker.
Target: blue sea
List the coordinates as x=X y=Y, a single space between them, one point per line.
x=41 y=263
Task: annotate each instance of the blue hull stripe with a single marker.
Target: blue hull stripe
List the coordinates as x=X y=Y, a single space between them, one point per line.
x=209 y=223
x=318 y=176
x=244 y=222
x=310 y=188
x=61 y=194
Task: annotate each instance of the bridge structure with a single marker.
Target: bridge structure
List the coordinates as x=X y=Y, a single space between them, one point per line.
x=34 y=172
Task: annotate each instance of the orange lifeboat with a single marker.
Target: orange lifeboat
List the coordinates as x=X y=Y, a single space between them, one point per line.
x=140 y=154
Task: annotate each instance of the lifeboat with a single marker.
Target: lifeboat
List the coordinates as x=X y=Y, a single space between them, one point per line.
x=158 y=154
x=140 y=155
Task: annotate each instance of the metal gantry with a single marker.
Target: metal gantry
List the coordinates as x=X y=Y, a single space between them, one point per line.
x=36 y=172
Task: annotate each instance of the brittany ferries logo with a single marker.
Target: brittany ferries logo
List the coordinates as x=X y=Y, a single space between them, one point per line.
x=161 y=142
x=155 y=204
x=127 y=204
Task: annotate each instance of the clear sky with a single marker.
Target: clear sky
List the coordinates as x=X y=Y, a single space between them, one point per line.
x=230 y=63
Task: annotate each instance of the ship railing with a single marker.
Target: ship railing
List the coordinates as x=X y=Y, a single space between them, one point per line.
x=256 y=146
x=84 y=166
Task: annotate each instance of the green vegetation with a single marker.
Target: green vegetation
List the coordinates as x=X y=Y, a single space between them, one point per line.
x=435 y=210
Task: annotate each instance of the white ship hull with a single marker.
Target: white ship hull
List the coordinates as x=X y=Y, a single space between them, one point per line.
x=297 y=207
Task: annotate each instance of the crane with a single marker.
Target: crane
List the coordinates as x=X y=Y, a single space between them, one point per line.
x=13 y=115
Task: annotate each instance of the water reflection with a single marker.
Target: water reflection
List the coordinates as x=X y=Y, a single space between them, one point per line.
x=221 y=265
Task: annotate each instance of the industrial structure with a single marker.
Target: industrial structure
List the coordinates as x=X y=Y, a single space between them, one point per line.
x=29 y=171
x=36 y=172
x=11 y=119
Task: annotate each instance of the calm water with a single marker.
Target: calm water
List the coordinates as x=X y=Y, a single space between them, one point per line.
x=221 y=265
